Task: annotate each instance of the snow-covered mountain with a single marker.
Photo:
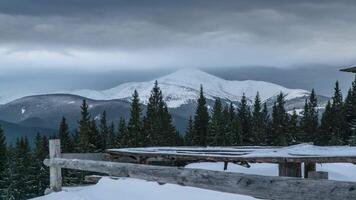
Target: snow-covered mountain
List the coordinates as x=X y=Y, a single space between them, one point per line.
x=183 y=86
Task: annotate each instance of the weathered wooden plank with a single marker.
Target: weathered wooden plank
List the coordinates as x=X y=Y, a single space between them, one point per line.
x=218 y=158
x=87 y=156
x=55 y=171
x=265 y=187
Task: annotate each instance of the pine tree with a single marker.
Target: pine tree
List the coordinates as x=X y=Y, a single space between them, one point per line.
x=95 y=138
x=25 y=186
x=64 y=136
x=123 y=138
x=189 y=133
x=310 y=121
x=84 y=130
x=266 y=121
x=135 y=122
x=151 y=120
x=216 y=135
x=169 y=136
x=41 y=153
x=279 y=125
x=104 y=133
x=293 y=128
x=327 y=137
x=111 y=141
x=258 y=128
x=244 y=115
x=350 y=112
x=3 y=163
x=158 y=127
x=201 y=121
x=339 y=125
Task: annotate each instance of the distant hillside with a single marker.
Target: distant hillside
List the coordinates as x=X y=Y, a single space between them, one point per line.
x=13 y=131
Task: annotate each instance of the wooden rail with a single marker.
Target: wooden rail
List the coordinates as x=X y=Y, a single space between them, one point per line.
x=265 y=187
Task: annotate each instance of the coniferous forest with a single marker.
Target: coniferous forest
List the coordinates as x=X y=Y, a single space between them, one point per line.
x=23 y=176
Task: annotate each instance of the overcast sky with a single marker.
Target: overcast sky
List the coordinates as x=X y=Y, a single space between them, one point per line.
x=45 y=36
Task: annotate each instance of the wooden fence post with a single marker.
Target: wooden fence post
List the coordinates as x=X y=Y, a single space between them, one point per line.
x=55 y=172
x=290 y=169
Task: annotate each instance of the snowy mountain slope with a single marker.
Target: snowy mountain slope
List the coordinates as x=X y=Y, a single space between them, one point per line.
x=183 y=86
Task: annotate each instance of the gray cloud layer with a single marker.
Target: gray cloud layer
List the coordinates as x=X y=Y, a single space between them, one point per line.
x=159 y=33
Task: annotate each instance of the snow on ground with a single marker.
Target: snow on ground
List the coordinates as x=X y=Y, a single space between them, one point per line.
x=133 y=189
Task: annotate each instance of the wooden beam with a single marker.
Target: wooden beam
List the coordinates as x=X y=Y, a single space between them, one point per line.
x=87 y=156
x=265 y=187
x=55 y=171
x=114 y=155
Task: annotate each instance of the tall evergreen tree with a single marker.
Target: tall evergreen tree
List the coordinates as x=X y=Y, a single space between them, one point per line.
x=151 y=120
x=189 y=133
x=111 y=141
x=201 y=121
x=104 y=132
x=327 y=137
x=279 y=134
x=3 y=164
x=244 y=115
x=293 y=128
x=158 y=126
x=216 y=135
x=123 y=138
x=84 y=129
x=135 y=122
x=339 y=125
x=95 y=138
x=310 y=121
x=64 y=136
x=42 y=175
x=350 y=112
x=258 y=128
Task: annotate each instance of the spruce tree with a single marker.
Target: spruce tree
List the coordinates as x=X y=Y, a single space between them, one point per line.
x=279 y=135
x=216 y=135
x=158 y=127
x=104 y=132
x=258 y=129
x=41 y=153
x=169 y=136
x=135 y=122
x=310 y=121
x=339 y=125
x=111 y=141
x=95 y=138
x=201 y=121
x=83 y=131
x=3 y=164
x=244 y=115
x=327 y=136
x=151 y=121
x=64 y=136
x=123 y=138
x=293 y=128
x=189 y=133
x=350 y=112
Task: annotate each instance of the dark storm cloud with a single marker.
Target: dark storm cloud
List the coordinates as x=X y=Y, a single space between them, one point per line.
x=181 y=33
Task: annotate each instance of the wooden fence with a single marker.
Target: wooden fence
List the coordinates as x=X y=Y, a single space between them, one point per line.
x=264 y=187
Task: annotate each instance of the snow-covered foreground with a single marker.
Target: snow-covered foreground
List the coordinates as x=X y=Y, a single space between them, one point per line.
x=133 y=189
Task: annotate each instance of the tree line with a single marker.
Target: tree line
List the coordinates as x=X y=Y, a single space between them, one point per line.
x=23 y=176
